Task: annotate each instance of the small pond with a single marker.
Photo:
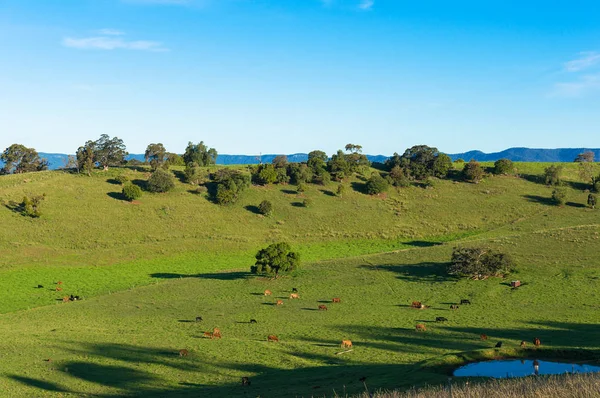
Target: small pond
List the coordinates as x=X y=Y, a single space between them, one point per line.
x=521 y=367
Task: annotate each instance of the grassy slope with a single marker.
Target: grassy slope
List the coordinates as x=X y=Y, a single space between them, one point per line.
x=95 y=352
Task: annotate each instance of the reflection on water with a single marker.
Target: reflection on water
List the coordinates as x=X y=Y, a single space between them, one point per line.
x=521 y=367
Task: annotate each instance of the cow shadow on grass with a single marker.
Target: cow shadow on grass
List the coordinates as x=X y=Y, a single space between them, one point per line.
x=420 y=272
x=223 y=276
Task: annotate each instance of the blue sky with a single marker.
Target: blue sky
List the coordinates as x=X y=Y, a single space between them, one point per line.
x=287 y=76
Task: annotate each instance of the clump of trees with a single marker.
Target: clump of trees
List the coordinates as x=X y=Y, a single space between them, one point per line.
x=105 y=152
x=420 y=162
x=275 y=259
x=160 y=181
x=156 y=156
x=472 y=172
x=200 y=154
x=131 y=191
x=478 y=262
x=587 y=156
x=18 y=159
x=230 y=185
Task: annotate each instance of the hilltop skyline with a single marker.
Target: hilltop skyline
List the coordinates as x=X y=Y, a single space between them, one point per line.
x=265 y=77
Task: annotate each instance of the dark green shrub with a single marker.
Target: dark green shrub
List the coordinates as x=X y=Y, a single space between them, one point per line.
x=503 y=166
x=553 y=174
x=472 y=172
x=376 y=184
x=161 y=181
x=131 y=192
x=592 y=200
x=559 y=196
x=30 y=207
x=122 y=179
x=301 y=188
x=307 y=202
x=274 y=259
x=341 y=190
x=265 y=207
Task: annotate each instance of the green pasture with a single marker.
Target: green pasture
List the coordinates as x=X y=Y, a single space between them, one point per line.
x=146 y=270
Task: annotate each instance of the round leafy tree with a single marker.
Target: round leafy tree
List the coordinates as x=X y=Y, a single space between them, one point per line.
x=131 y=192
x=161 y=181
x=472 y=171
x=478 y=262
x=274 y=259
x=265 y=207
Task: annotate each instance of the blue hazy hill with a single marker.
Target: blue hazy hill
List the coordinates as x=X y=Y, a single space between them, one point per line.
x=58 y=160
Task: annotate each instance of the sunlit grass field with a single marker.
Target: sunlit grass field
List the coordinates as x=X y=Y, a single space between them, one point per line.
x=146 y=270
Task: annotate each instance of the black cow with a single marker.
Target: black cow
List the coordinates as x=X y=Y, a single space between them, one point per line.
x=465 y=301
x=294 y=290
x=440 y=319
x=253 y=321
x=198 y=319
x=499 y=344
x=246 y=381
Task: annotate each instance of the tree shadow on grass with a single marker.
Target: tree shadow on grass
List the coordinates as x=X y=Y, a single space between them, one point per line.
x=117 y=196
x=359 y=187
x=578 y=185
x=223 y=276
x=422 y=243
x=577 y=205
x=289 y=191
x=535 y=178
x=38 y=384
x=113 y=181
x=252 y=209
x=539 y=199
x=421 y=272
x=180 y=175
x=298 y=204
x=327 y=192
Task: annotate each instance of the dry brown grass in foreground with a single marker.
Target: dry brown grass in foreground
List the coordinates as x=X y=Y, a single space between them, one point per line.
x=561 y=386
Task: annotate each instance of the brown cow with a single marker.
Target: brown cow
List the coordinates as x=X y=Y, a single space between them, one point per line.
x=483 y=336
x=65 y=299
x=523 y=344
x=208 y=335
x=59 y=283
x=268 y=292
x=537 y=342
x=183 y=353
x=272 y=337
x=294 y=296
x=420 y=327
x=416 y=304
x=346 y=344
x=336 y=300
x=216 y=333
x=279 y=302
x=59 y=289
x=322 y=307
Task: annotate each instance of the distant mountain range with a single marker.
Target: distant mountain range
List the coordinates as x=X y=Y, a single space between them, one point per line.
x=58 y=160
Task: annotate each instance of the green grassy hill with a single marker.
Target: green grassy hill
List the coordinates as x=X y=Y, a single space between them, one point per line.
x=147 y=269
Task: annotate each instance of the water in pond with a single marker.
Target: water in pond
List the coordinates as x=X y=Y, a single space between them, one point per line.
x=521 y=367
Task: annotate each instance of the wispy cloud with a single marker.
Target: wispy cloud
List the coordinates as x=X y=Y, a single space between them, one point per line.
x=366 y=5
x=586 y=60
x=583 y=86
x=110 y=40
x=110 y=32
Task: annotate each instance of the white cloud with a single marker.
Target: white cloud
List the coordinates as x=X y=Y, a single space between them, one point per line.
x=366 y=4
x=110 y=32
x=586 y=60
x=583 y=86
x=112 y=43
